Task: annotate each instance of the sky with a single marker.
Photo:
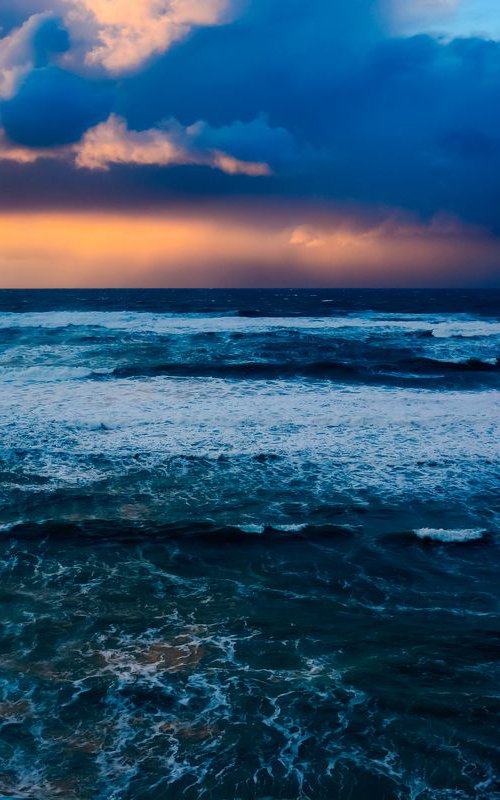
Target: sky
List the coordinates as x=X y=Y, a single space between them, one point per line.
x=249 y=143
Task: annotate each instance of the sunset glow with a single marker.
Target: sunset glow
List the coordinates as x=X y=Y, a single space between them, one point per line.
x=71 y=250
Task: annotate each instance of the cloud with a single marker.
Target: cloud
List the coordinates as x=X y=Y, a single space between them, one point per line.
x=9 y=151
x=376 y=119
x=26 y=47
x=112 y=143
x=122 y=35
x=111 y=35
x=54 y=107
x=306 y=236
x=318 y=94
x=256 y=139
x=17 y=56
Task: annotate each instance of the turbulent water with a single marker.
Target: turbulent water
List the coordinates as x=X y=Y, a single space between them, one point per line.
x=250 y=545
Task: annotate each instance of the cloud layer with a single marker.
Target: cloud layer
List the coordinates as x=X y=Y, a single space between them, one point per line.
x=325 y=104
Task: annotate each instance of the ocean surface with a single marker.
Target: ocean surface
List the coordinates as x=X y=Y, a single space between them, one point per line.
x=250 y=545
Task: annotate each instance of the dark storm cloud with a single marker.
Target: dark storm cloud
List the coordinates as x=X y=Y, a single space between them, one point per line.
x=412 y=122
x=272 y=59
x=54 y=107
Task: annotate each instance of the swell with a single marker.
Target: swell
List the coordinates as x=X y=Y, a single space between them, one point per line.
x=431 y=365
x=255 y=301
x=244 y=369
x=124 y=531
x=406 y=369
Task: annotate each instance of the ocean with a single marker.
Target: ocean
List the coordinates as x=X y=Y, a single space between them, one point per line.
x=250 y=544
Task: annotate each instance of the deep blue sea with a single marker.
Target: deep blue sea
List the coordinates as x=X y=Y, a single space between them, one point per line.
x=250 y=545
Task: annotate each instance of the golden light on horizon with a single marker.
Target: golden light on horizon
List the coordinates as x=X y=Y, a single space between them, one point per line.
x=76 y=249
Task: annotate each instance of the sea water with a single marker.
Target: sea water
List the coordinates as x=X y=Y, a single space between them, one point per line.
x=249 y=544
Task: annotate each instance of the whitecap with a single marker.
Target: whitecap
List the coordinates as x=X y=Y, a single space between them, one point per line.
x=291 y=528
x=262 y=527
x=252 y=528
x=443 y=535
x=466 y=328
x=7 y=527
x=440 y=325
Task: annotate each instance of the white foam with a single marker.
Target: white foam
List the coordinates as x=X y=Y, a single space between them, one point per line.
x=261 y=528
x=292 y=528
x=443 y=535
x=466 y=328
x=392 y=441
x=6 y=527
x=441 y=325
x=252 y=528
x=44 y=374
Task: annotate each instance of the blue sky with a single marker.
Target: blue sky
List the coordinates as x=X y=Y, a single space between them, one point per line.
x=449 y=18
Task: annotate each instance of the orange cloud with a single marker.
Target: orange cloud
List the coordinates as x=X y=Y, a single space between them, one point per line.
x=112 y=142
x=121 y=35
x=118 y=36
x=78 y=250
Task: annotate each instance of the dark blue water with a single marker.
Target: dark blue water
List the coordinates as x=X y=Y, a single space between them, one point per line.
x=250 y=545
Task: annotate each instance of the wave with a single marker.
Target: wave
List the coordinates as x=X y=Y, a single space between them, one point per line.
x=119 y=530
x=439 y=326
x=453 y=536
x=405 y=369
x=365 y=368
x=245 y=369
x=425 y=364
x=131 y=532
